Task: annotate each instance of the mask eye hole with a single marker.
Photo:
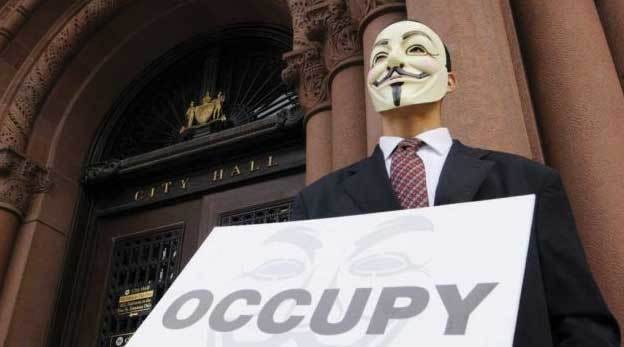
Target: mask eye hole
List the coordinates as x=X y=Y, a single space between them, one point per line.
x=379 y=57
x=382 y=264
x=417 y=50
x=278 y=269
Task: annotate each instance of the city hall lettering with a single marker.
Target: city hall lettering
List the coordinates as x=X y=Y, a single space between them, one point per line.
x=387 y=308
x=215 y=176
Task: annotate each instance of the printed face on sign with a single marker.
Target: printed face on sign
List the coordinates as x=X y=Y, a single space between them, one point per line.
x=299 y=289
x=399 y=278
x=407 y=67
x=292 y=258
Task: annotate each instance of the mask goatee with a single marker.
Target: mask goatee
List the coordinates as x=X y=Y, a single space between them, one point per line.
x=396 y=93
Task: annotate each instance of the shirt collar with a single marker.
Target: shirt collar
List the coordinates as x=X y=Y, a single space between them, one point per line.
x=438 y=139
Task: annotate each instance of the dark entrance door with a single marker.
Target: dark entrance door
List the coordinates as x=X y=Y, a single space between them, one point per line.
x=139 y=254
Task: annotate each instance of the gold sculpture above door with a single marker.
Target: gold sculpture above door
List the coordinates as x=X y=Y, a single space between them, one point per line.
x=209 y=111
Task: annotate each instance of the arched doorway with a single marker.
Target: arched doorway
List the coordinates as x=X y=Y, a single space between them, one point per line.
x=207 y=135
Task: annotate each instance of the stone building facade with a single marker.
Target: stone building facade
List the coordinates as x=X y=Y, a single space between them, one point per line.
x=98 y=162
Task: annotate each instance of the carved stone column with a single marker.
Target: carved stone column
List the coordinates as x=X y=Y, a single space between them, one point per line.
x=307 y=71
x=372 y=16
x=580 y=104
x=19 y=179
x=330 y=23
x=612 y=16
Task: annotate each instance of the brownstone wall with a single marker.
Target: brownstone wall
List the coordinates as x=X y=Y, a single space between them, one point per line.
x=63 y=63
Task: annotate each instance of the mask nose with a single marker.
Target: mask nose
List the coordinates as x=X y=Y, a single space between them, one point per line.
x=394 y=58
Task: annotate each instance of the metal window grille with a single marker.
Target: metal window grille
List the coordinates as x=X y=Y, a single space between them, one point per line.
x=143 y=267
x=274 y=212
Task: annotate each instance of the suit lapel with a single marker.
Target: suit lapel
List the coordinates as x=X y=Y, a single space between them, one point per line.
x=462 y=174
x=369 y=186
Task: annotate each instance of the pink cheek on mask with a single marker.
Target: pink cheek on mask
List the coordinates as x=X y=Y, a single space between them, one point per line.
x=425 y=64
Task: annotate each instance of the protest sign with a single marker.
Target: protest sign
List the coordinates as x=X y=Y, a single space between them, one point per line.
x=439 y=276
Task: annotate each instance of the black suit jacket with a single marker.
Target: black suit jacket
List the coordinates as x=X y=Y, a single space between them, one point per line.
x=560 y=303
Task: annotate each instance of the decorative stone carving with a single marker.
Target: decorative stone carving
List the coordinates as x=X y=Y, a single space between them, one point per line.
x=297 y=12
x=101 y=172
x=330 y=22
x=25 y=100
x=324 y=36
x=13 y=16
x=342 y=39
x=316 y=16
x=19 y=179
x=361 y=8
x=288 y=118
x=305 y=67
x=306 y=70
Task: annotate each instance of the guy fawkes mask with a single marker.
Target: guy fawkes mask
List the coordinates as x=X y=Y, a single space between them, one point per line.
x=407 y=67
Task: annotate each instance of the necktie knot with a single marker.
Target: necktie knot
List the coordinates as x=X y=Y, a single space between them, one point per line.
x=410 y=144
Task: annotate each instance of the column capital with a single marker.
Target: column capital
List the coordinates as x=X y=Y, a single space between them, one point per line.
x=20 y=178
x=330 y=23
x=365 y=10
x=306 y=70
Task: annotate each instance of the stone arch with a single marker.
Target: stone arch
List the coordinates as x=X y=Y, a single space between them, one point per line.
x=104 y=67
x=33 y=83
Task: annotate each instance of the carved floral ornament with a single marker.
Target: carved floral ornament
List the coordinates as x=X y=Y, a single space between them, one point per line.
x=306 y=71
x=19 y=176
x=325 y=34
x=35 y=81
x=329 y=21
x=19 y=179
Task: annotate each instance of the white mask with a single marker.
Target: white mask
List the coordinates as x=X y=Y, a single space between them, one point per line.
x=407 y=67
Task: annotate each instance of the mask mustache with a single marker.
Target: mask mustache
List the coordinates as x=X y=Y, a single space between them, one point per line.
x=401 y=72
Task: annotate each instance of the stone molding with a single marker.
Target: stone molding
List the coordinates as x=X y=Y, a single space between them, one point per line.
x=28 y=93
x=20 y=177
x=378 y=12
x=360 y=9
x=352 y=61
x=13 y=16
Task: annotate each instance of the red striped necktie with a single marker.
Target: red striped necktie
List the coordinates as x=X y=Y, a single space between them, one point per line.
x=407 y=175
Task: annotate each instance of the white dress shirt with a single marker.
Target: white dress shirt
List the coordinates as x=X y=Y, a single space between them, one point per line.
x=437 y=144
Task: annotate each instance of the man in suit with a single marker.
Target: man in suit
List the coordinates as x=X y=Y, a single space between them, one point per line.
x=418 y=164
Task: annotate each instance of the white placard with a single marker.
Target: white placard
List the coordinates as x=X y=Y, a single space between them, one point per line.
x=440 y=276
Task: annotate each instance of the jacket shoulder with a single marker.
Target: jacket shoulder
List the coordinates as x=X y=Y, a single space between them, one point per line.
x=521 y=169
x=519 y=162
x=332 y=180
x=315 y=200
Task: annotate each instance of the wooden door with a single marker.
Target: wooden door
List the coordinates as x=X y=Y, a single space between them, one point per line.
x=138 y=254
x=136 y=258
